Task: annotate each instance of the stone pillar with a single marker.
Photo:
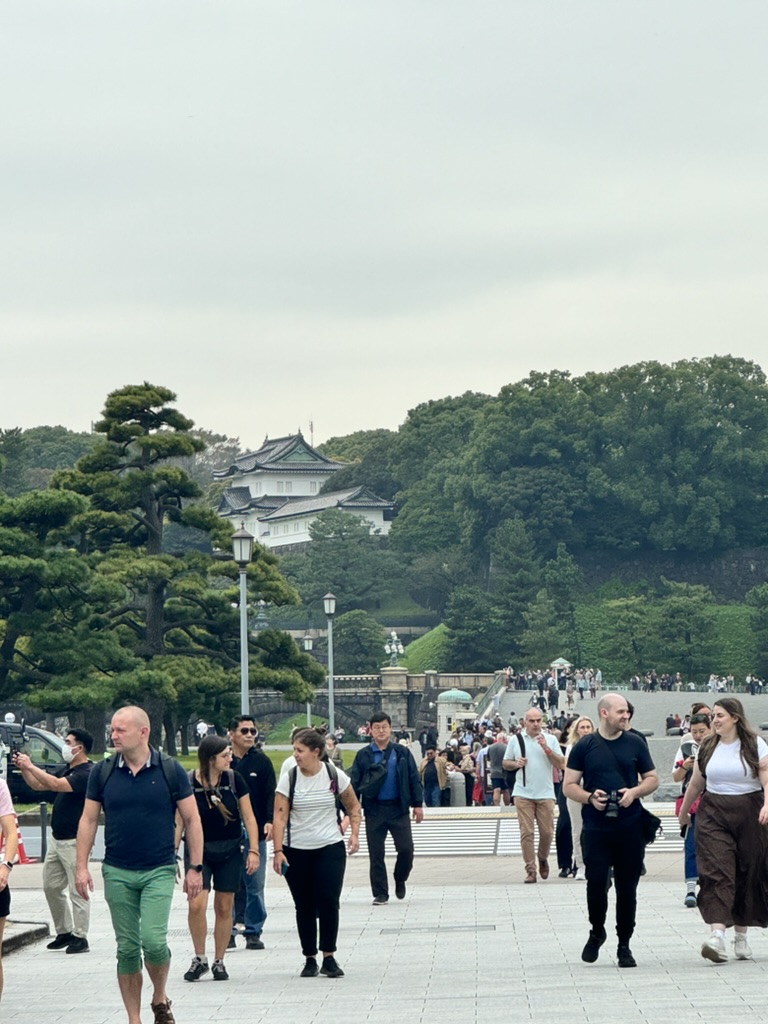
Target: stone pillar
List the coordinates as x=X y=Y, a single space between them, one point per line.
x=394 y=695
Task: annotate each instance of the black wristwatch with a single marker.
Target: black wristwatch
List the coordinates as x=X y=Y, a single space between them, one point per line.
x=196 y=867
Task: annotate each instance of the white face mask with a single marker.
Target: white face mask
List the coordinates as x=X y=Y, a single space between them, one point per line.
x=68 y=753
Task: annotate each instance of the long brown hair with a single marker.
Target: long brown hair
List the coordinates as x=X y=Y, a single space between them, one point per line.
x=746 y=734
x=209 y=749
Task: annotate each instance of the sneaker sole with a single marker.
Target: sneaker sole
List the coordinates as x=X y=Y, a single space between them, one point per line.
x=714 y=955
x=743 y=955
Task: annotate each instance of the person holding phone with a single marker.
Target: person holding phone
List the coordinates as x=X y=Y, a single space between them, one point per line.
x=309 y=849
x=685 y=759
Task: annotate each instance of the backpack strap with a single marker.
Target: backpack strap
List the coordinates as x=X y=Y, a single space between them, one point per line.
x=333 y=775
x=291 y=790
x=521 y=744
x=103 y=772
x=168 y=765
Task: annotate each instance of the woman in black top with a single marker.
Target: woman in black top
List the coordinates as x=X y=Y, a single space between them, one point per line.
x=224 y=803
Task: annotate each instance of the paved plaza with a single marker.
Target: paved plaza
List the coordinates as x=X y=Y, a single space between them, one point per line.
x=469 y=943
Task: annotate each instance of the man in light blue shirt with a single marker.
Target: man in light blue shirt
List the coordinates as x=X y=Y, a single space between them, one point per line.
x=535 y=755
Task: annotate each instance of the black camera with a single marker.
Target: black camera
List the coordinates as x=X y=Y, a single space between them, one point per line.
x=612 y=807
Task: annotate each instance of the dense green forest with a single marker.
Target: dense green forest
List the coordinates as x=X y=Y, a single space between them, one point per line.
x=506 y=503
x=614 y=518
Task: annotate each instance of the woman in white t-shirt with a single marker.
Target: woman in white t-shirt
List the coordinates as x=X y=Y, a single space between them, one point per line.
x=731 y=772
x=309 y=849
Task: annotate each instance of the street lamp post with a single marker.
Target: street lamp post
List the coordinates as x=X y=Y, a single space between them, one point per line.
x=308 y=648
x=329 y=604
x=393 y=648
x=242 y=546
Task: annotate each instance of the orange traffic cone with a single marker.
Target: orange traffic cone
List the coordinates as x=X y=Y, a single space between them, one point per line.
x=21 y=856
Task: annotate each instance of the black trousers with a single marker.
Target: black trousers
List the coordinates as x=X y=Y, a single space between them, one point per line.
x=380 y=819
x=563 y=834
x=315 y=878
x=622 y=849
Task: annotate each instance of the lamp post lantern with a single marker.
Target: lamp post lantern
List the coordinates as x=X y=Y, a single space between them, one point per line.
x=242 y=547
x=308 y=648
x=329 y=604
x=393 y=648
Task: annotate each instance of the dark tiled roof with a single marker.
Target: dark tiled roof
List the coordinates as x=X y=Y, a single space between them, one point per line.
x=354 y=498
x=238 y=500
x=273 y=455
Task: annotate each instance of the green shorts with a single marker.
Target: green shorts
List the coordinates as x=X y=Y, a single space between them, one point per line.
x=140 y=904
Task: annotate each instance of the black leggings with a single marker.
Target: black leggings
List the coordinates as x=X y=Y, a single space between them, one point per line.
x=315 y=878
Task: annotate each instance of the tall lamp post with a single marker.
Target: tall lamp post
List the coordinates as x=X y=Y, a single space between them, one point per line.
x=329 y=604
x=308 y=648
x=242 y=545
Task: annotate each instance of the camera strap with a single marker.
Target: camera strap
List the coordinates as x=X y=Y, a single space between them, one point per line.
x=618 y=763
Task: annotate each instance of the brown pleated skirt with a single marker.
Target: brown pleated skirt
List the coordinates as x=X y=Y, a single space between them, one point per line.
x=732 y=858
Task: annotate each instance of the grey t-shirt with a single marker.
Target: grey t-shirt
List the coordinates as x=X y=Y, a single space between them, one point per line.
x=495 y=756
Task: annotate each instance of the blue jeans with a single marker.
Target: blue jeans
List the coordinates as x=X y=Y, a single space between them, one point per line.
x=255 y=908
x=432 y=796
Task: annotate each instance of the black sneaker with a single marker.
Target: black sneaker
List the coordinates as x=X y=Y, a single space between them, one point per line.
x=78 y=946
x=219 y=971
x=591 y=950
x=624 y=956
x=564 y=873
x=330 y=968
x=253 y=942
x=311 y=970
x=379 y=901
x=232 y=944
x=61 y=941
x=400 y=890
x=197 y=969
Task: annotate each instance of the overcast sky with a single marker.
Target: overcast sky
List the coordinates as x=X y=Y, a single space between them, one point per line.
x=334 y=211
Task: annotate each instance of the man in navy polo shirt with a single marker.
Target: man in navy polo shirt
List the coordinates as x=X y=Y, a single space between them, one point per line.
x=139 y=869
x=387 y=811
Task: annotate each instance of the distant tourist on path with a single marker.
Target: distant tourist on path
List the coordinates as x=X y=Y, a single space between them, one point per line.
x=386 y=803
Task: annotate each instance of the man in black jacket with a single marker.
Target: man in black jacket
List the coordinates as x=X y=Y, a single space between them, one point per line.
x=257 y=770
x=388 y=809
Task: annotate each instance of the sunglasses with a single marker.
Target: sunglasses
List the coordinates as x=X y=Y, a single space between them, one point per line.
x=249 y=732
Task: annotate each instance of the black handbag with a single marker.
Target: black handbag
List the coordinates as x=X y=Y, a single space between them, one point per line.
x=650 y=825
x=374 y=776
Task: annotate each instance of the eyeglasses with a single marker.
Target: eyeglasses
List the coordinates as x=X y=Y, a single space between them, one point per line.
x=249 y=732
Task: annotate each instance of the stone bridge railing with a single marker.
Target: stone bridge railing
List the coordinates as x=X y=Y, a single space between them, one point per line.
x=410 y=699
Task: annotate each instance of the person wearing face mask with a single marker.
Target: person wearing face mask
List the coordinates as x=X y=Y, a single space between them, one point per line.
x=70 y=912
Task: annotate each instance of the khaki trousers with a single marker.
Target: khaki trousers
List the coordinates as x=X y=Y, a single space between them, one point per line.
x=542 y=812
x=59 y=889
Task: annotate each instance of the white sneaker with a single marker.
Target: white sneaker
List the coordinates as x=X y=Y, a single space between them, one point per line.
x=714 y=949
x=580 y=876
x=741 y=948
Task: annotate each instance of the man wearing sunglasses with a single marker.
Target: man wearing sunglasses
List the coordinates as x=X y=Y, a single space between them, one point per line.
x=257 y=770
